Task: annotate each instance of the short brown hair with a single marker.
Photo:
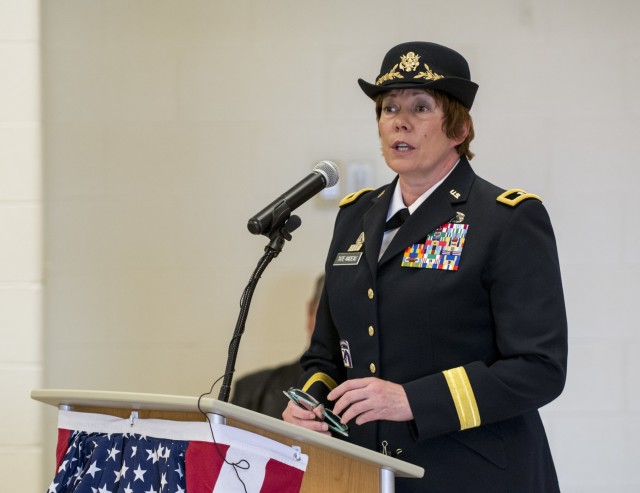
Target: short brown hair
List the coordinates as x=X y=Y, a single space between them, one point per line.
x=456 y=118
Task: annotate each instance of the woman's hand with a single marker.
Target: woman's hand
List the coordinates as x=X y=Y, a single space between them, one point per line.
x=370 y=399
x=305 y=418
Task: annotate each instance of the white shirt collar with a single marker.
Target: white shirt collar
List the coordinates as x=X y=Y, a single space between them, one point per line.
x=397 y=203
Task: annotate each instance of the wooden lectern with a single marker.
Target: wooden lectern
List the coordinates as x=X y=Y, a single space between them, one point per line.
x=334 y=465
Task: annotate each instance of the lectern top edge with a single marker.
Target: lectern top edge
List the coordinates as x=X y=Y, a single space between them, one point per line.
x=160 y=402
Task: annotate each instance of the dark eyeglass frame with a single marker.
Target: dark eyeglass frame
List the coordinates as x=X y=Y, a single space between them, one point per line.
x=308 y=402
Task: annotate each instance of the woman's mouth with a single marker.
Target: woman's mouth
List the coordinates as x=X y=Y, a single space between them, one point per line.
x=402 y=146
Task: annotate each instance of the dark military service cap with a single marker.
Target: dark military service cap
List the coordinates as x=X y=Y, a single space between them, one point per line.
x=423 y=65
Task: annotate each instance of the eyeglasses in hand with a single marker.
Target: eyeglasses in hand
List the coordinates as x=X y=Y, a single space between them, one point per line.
x=308 y=402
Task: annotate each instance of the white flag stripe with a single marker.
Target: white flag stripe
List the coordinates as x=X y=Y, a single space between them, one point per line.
x=253 y=477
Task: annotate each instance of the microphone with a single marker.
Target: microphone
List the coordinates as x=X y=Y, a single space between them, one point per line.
x=325 y=174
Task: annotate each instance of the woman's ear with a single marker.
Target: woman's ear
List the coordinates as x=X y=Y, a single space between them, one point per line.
x=461 y=133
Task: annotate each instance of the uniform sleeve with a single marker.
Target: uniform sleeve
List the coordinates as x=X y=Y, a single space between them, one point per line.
x=323 y=371
x=528 y=309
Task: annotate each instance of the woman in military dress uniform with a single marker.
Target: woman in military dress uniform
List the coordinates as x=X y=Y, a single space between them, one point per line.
x=441 y=330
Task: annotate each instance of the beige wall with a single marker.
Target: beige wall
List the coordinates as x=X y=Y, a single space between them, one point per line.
x=21 y=367
x=168 y=123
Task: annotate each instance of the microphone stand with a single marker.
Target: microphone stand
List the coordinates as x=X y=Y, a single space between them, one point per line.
x=277 y=236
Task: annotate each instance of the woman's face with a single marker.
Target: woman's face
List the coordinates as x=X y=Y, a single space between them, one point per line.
x=413 y=142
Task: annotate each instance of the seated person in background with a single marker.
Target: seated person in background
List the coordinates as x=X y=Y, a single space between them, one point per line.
x=261 y=391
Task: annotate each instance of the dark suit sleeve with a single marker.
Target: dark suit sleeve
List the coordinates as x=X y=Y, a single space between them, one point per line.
x=530 y=331
x=245 y=393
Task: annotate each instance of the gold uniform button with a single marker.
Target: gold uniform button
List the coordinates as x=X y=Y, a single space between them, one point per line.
x=372 y=367
x=370 y=293
x=371 y=330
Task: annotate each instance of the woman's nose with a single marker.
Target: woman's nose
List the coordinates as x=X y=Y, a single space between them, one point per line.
x=401 y=123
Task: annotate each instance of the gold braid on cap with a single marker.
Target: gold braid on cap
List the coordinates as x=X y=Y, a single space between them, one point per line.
x=428 y=74
x=408 y=63
x=391 y=74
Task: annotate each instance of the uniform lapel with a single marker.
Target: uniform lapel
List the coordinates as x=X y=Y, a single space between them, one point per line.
x=438 y=209
x=373 y=222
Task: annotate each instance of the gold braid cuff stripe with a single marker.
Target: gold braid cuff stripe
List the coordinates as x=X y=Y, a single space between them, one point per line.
x=320 y=377
x=463 y=398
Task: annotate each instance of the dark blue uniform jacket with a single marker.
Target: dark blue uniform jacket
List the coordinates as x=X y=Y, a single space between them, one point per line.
x=478 y=349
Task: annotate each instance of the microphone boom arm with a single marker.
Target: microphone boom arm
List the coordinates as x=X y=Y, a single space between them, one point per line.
x=276 y=243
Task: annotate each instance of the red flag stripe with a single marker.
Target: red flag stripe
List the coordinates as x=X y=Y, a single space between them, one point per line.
x=62 y=446
x=281 y=478
x=202 y=465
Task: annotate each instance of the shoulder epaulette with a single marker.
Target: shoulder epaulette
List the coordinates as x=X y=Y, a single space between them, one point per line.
x=352 y=197
x=514 y=196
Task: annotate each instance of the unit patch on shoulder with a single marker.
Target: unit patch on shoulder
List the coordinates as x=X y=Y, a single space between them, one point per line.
x=352 y=197
x=514 y=196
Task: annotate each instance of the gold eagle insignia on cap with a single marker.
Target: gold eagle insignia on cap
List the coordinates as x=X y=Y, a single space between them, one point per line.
x=352 y=197
x=409 y=62
x=514 y=196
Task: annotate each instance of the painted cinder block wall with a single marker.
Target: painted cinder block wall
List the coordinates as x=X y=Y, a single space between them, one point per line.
x=165 y=125
x=21 y=244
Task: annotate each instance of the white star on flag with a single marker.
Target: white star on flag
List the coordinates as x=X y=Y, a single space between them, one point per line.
x=93 y=469
x=139 y=474
x=152 y=455
x=120 y=474
x=112 y=453
x=163 y=481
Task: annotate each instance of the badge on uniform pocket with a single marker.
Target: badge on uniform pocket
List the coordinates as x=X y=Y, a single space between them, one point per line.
x=441 y=250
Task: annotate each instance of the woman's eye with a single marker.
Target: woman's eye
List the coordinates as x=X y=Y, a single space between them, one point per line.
x=421 y=108
x=389 y=109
